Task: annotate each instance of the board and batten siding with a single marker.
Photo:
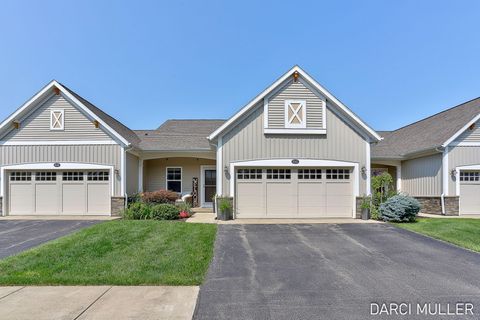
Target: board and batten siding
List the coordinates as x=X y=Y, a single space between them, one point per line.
x=295 y=91
x=247 y=141
x=92 y=154
x=422 y=176
x=36 y=126
x=469 y=135
x=461 y=156
x=132 y=163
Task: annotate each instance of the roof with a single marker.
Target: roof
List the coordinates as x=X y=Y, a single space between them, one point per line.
x=427 y=134
x=179 y=135
x=116 y=125
x=312 y=82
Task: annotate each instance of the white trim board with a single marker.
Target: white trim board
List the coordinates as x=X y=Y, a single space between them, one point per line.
x=459 y=132
x=57 y=142
x=204 y=204
x=45 y=91
x=311 y=81
x=302 y=163
x=51 y=166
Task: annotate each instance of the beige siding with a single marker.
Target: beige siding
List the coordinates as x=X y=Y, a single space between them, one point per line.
x=461 y=156
x=291 y=91
x=422 y=176
x=36 y=126
x=470 y=135
x=93 y=154
x=246 y=141
x=132 y=173
x=155 y=172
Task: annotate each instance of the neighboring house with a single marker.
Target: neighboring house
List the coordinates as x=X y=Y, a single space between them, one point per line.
x=437 y=159
x=294 y=151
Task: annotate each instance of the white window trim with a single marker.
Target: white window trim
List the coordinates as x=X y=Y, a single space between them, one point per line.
x=302 y=115
x=181 y=177
x=287 y=163
x=52 y=122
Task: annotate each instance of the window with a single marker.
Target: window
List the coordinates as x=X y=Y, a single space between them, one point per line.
x=278 y=174
x=295 y=114
x=249 y=174
x=309 y=174
x=469 y=176
x=338 y=174
x=98 y=176
x=46 y=176
x=20 y=176
x=72 y=176
x=57 y=120
x=174 y=179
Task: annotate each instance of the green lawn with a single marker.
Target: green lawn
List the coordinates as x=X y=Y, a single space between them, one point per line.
x=462 y=232
x=121 y=252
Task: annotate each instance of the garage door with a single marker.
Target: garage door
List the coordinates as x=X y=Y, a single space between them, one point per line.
x=294 y=193
x=59 y=192
x=469 y=192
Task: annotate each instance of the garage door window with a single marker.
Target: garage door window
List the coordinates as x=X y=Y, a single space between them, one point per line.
x=249 y=174
x=46 y=176
x=338 y=174
x=98 y=176
x=20 y=176
x=309 y=174
x=73 y=176
x=469 y=176
x=278 y=174
x=174 y=179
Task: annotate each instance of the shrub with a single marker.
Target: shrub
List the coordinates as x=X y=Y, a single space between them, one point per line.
x=137 y=211
x=382 y=189
x=160 y=196
x=184 y=207
x=164 y=212
x=136 y=197
x=399 y=208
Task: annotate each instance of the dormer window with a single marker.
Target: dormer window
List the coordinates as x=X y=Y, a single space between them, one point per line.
x=295 y=114
x=57 y=120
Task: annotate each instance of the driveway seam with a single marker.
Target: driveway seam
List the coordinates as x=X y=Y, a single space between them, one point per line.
x=91 y=304
x=11 y=293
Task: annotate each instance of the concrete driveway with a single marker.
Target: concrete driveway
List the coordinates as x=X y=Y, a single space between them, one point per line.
x=20 y=235
x=335 y=271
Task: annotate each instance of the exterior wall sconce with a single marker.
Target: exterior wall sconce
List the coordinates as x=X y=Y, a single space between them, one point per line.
x=453 y=173
x=225 y=170
x=363 y=170
x=117 y=172
x=16 y=124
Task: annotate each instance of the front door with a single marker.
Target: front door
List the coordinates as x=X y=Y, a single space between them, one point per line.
x=209 y=186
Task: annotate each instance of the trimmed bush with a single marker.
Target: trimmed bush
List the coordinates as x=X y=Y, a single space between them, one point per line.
x=137 y=211
x=399 y=208
x=164 y=212
x=160 y=196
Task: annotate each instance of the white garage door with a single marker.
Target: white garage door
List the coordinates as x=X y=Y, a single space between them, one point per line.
x=294 y=193
x=59 y=192
x=469 y=192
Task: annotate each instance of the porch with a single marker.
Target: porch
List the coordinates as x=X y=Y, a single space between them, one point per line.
x=185 y=174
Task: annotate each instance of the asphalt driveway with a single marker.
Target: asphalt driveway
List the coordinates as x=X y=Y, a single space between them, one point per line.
x=334 y=271
x=20 y=235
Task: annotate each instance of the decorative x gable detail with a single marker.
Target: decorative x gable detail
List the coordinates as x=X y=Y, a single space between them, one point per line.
x=57 y=120
x=295 y=114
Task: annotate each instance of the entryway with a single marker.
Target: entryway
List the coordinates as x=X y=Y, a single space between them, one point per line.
x=208 y=185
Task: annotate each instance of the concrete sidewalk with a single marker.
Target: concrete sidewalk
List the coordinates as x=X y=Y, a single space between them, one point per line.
x=97 y=302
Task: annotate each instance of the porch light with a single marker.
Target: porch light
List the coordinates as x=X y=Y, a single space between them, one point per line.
x=364 y=170
x=225 y=169
x=453 y=173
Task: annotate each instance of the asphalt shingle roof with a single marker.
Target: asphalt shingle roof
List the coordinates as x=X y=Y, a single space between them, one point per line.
x=426 y=134
x=179 y=135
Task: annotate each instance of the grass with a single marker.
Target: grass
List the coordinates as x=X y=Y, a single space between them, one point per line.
x=121 y=252
x=460 y=231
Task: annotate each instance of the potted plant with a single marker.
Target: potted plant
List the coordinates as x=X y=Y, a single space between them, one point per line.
x=365 y=206
x=225 y=209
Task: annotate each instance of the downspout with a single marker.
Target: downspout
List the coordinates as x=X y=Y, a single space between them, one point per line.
x=444 y=152
x=442 y=199
x=124 y=175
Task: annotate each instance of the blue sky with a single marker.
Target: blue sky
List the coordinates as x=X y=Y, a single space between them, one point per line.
x=391 y=62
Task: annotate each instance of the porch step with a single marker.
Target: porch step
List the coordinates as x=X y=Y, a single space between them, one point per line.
x=202 y=210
